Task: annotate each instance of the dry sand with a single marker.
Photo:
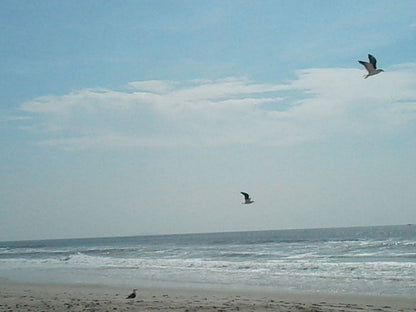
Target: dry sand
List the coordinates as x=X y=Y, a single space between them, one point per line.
x=50 y=297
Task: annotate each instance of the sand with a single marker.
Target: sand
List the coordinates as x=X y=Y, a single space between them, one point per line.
x=51 y=297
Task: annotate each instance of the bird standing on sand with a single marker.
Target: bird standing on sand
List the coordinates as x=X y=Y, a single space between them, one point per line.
x=132 y=295
x=371 y=66
x=247 y=199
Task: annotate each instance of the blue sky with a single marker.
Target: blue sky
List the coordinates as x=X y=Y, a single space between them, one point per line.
x=149 y=117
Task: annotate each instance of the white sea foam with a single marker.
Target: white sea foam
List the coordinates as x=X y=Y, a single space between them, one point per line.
x=296 y=260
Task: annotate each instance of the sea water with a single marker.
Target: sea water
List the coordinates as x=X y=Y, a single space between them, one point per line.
x=360 y=260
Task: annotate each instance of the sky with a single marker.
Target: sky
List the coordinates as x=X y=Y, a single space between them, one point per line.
x=150 y=117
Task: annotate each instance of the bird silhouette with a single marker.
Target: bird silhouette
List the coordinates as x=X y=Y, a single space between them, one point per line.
x=132 y=295
x=247 y=199
x=371 y=66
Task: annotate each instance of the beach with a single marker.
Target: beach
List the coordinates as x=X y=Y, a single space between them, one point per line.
x=61 y=297
x=346 y=269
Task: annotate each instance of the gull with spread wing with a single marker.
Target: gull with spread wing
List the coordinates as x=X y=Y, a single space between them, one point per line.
x=371 y=66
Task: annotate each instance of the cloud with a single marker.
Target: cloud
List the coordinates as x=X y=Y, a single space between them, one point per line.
x=320 y=103
x=16 y=118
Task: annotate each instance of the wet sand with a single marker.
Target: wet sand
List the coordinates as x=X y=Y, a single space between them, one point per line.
x=51 y=297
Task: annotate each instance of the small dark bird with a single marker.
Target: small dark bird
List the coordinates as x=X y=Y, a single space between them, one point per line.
x=247 y=199
x=132 y=295
x=371 y=66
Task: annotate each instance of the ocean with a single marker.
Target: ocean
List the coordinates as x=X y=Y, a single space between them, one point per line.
x=377 y=260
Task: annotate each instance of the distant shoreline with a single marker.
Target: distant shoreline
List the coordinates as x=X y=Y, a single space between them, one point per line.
x=202 y=233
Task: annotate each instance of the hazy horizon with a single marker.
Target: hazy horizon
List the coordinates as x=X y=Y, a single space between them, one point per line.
x=208 y=233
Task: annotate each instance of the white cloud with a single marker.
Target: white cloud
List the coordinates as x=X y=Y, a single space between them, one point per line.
x=156 y=86
x=108 y=141
x=16 y=118
x=320 y=103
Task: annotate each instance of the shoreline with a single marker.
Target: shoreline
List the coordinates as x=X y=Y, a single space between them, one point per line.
x=38 y=297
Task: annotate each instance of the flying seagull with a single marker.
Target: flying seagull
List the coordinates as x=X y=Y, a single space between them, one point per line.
x=371 y=66
x=132 y=295
x=247 y=199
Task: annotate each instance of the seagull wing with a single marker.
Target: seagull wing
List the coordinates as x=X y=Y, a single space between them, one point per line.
x=372 y=60
x=246 y=196
x=370 y=68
